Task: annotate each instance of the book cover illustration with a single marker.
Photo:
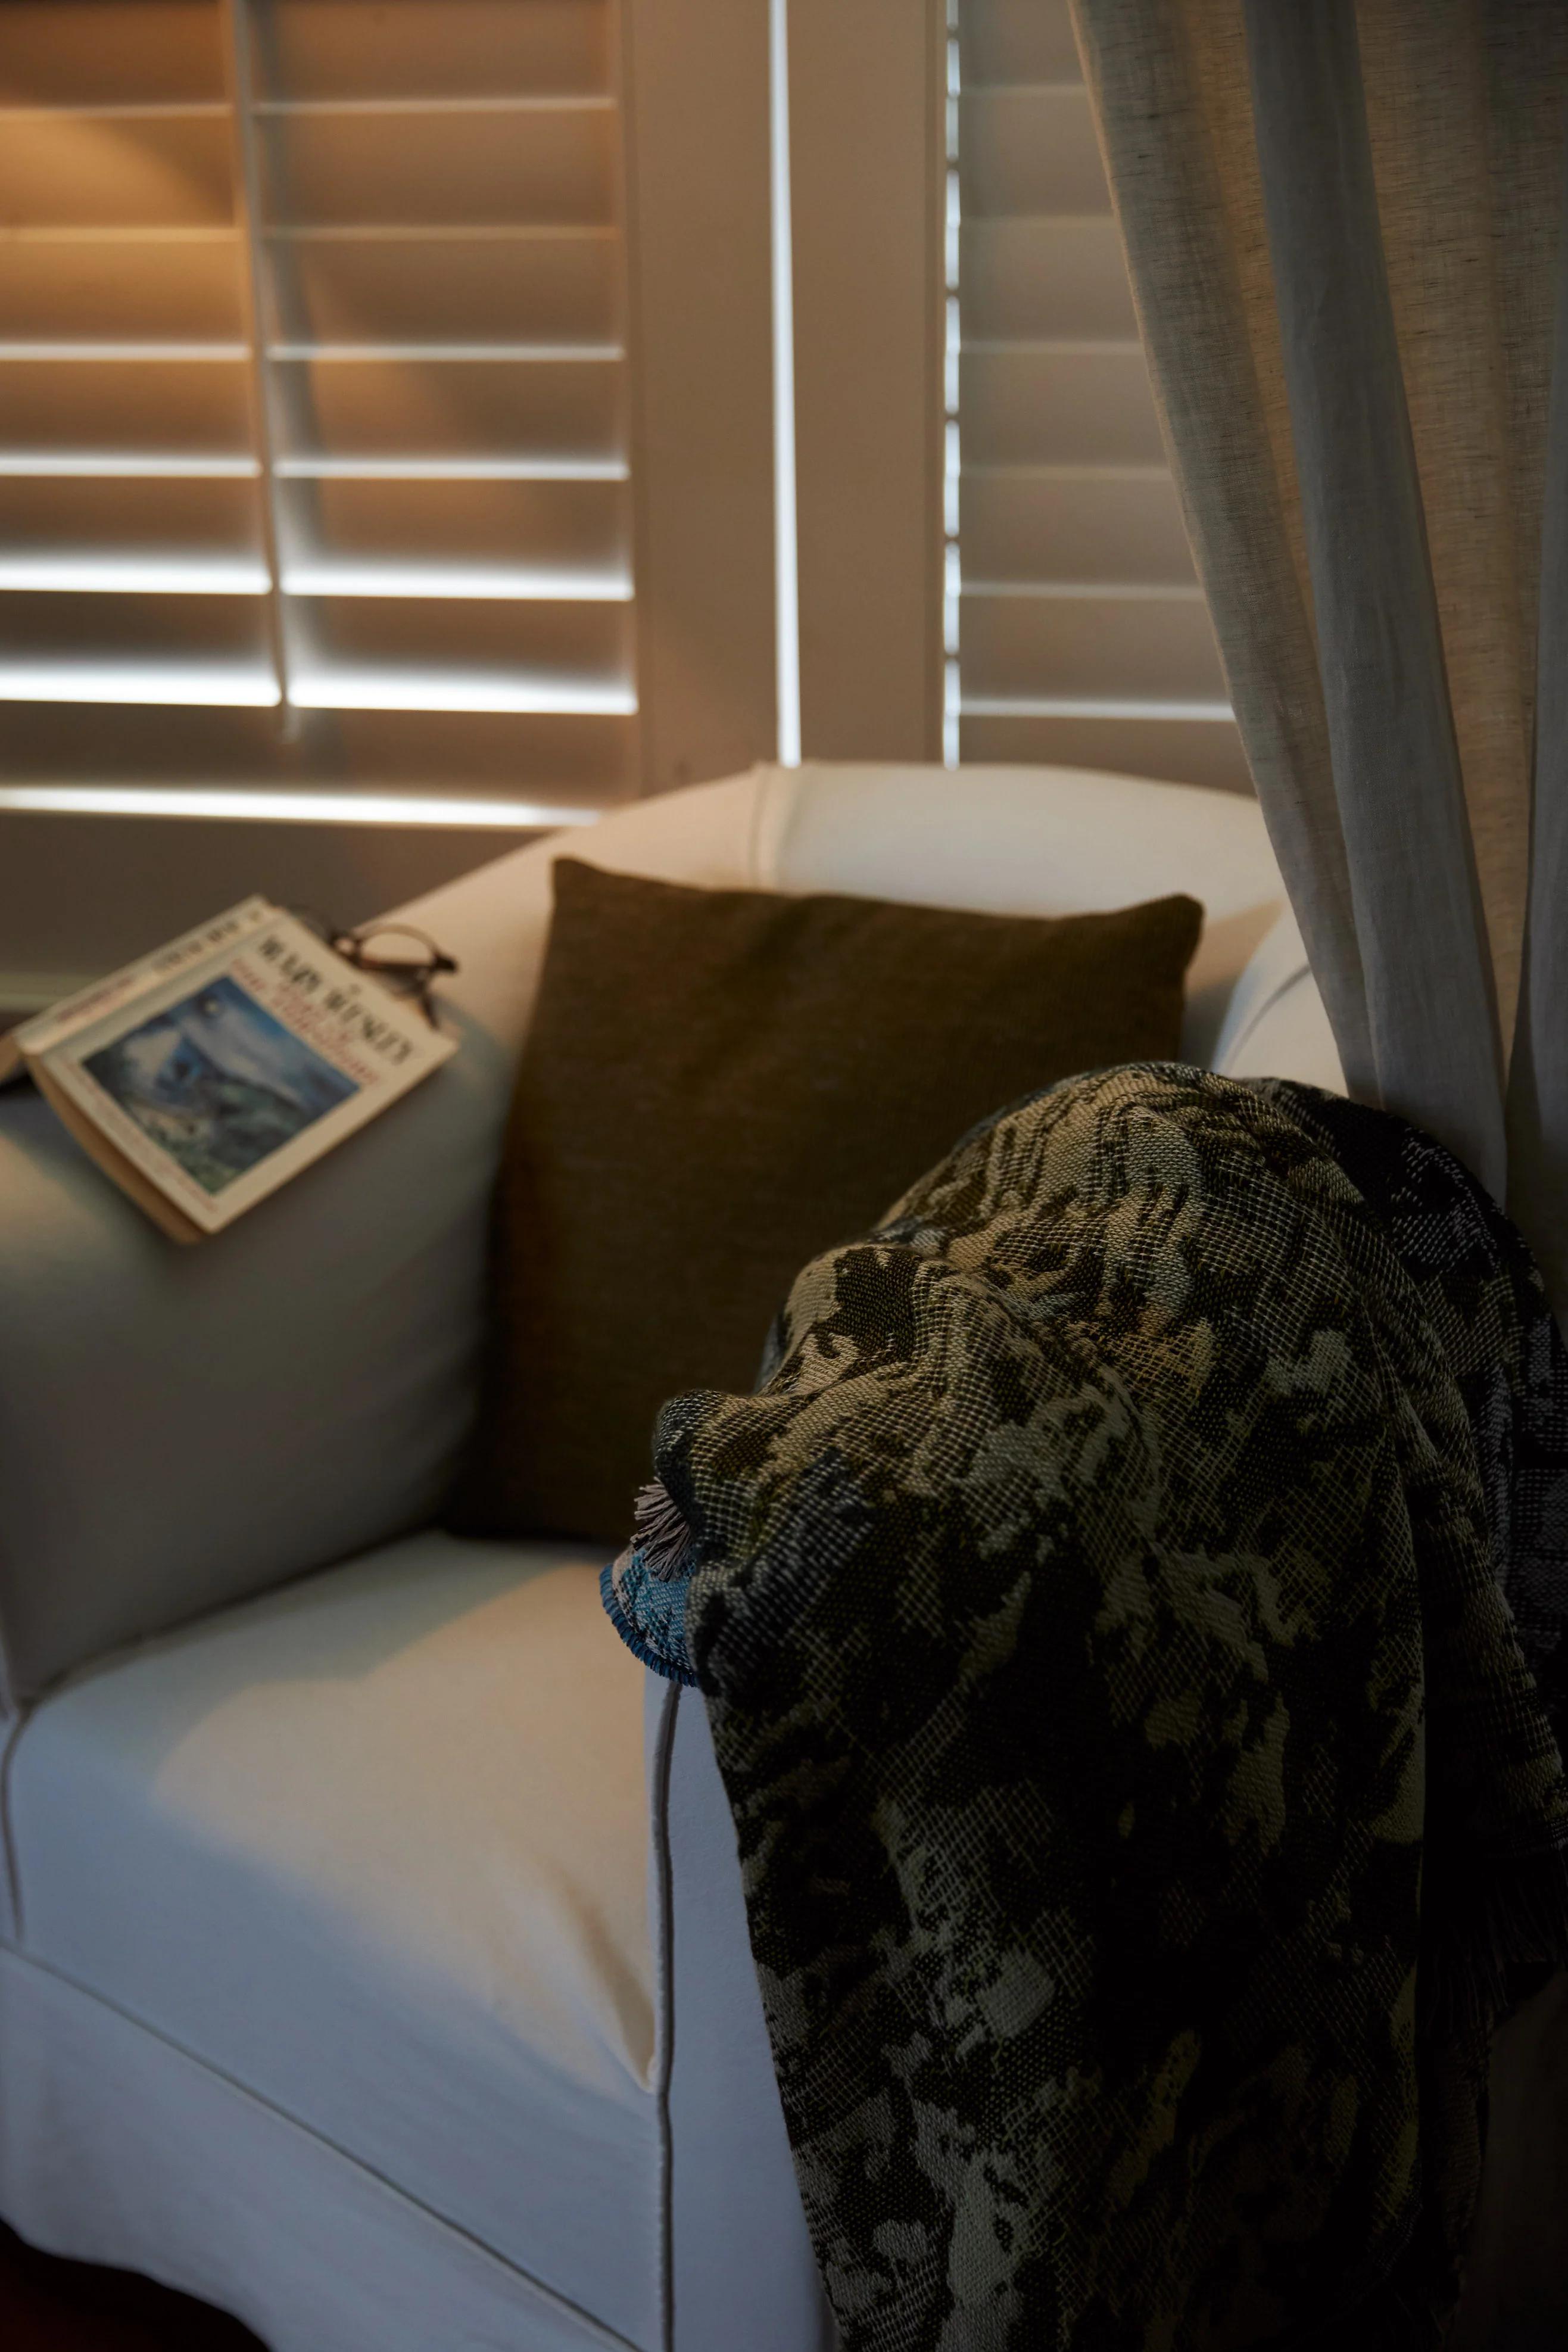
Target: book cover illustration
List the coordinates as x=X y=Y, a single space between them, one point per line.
x=218 y=1082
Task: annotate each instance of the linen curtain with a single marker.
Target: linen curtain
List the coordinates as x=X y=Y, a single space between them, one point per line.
x=1344 y=228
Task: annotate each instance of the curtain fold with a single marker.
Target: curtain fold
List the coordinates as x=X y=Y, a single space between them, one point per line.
x=1538 y=1079
x=1342 y=220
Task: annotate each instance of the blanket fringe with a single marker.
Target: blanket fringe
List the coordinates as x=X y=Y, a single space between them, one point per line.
x=660 y=1534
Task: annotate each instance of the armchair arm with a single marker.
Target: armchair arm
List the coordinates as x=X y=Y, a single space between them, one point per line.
x=182 y=1427
x=179 y=1428
x=742 y=2271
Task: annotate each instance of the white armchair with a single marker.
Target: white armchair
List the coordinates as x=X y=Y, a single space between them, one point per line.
x=368 y=1965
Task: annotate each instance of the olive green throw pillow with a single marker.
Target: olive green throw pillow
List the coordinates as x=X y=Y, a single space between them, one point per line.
x=718 y=1085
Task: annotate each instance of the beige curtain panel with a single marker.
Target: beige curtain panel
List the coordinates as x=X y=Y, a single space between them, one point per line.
x=1344 y=228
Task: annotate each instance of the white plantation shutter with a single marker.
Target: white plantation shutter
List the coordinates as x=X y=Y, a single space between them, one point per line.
x=1075 y=627
x=387 y=432
x=314 y=423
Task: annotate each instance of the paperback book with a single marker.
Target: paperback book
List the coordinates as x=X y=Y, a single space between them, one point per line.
x=203 y=1076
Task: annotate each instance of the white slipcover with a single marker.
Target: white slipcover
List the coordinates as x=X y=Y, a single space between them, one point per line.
x=359 y=1972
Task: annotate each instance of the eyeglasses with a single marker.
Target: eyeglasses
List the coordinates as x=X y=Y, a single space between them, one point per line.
x=399 y=958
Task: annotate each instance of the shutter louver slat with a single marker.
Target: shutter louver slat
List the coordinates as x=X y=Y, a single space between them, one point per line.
x=435 y=408
x=1031 y=403
x=101 y=646
x=557 y=286
x=136 y=170
x=156 y=52
x=74 y=517
x=535 y=468
x=439 y=262
x=343 y=167
x=98 y=288
x=1076 y=630
x=1194 y=747
x=1008 y=41
x=189 y=746
x=1067 y=643
x=453 y=48
x=1029 y=149
x=163 y=406
x=433 y=654
x=1024 y=280
x=1101 y=522
x=351 y=531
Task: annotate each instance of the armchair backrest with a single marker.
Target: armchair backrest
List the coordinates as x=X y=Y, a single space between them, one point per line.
x=181 y=1428
x=1018 y=841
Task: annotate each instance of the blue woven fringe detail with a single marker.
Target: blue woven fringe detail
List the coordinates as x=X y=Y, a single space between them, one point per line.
x=635 y=1642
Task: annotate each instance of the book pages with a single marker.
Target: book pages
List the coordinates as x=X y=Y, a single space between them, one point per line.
x=47 y=1029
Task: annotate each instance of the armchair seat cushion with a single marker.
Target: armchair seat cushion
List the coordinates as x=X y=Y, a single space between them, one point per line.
x=375 y=1850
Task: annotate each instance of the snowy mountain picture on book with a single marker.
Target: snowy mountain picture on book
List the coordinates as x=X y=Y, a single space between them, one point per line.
x=218 y=1082
x=207 y=1075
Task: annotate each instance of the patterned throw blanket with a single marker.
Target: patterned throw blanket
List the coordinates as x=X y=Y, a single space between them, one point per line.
x=1131 y=1617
